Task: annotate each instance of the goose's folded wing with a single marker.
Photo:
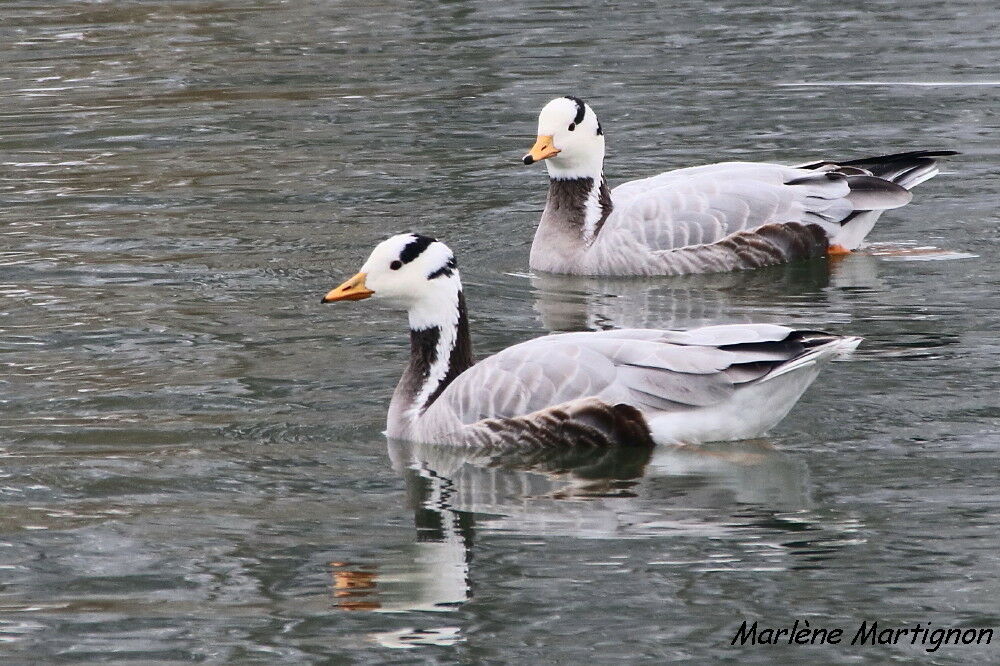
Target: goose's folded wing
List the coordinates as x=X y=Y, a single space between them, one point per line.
x=703 y=205
x=650 y=370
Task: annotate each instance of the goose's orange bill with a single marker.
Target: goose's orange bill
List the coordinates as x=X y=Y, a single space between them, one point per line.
x=352 y=290
x=542 y=150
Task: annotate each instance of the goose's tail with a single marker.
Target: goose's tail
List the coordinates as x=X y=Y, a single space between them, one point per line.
x=819 y=346
x=871 y=193
x=905 y=169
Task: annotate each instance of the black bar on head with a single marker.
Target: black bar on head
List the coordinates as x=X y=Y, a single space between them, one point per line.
x=581 y=109
x=413 y=249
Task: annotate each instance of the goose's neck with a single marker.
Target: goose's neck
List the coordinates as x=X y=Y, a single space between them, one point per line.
x=440 y=350
x=575 y=212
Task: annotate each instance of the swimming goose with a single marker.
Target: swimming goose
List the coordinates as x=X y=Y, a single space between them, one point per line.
x=633 y=386
x=706 y=219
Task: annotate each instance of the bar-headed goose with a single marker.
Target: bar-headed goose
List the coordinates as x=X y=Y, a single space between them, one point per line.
x=713 y=218
x=636 y=386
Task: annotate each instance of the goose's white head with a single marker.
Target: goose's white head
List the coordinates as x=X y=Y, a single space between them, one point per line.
x=570 y=139
x=409 y=271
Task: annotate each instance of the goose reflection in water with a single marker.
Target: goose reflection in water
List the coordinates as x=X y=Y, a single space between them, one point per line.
x=462 y=494
x=787 y=294
x=431 y=574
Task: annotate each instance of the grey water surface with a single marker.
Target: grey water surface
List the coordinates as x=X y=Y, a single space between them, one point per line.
x=191 y=460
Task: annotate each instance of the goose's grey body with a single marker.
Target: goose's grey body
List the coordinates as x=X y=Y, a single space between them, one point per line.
x=641 y=385
x=622 y=387
x=713 y=218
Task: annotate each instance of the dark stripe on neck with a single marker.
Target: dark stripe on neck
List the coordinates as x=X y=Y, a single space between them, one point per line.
x=604 y=201
x=413 y=249
x=569 y=199
x=423 y=355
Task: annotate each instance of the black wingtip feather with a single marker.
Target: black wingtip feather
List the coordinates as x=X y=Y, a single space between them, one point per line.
x=899 y=157
x=905 y=169
x=917 y=157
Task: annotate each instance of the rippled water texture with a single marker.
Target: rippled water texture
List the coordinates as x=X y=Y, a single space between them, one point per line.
x=190 y=450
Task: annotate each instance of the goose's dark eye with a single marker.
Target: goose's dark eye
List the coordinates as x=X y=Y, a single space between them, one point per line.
x=572 y=126
x=396 y=265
